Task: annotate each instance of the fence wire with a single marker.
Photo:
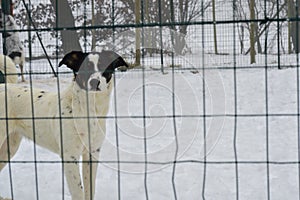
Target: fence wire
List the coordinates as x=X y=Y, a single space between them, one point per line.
x=203 y=55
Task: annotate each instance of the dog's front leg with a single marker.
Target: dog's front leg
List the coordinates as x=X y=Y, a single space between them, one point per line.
x=89 y=172
x=72 y=174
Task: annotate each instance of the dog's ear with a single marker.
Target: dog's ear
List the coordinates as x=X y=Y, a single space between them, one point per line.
x=111 y=61
x=73 y=60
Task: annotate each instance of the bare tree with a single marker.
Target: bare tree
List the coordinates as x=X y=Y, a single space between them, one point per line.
x=184 y=11
x=137 y=33
x=93 y=24
x=252 y=32
x=7 y=7
x=214 y=26
x=294 y=26
x=65 y=19
x=266 y=30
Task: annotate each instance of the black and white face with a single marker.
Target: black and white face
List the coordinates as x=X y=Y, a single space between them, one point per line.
x=93 y=70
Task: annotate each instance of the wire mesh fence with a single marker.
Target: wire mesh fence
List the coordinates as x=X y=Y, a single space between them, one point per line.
x=209 y=110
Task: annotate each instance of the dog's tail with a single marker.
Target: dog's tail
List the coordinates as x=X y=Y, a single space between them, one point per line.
x=8 y=71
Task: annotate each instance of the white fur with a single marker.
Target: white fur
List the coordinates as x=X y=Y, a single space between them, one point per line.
x=71 y=124
x=76 y=133
x=94 y=59
x=8 y=67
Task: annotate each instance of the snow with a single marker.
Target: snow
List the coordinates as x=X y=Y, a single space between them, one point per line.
x=153 y=97
x=154 y=100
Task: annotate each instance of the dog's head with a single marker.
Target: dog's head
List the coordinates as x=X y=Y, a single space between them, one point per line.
x=8 y=21
x=93 y=70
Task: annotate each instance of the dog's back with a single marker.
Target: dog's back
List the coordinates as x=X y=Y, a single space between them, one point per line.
x=8 y=69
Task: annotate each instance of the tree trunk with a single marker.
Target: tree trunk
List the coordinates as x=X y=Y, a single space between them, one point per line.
x=215 y=26
x=259 y=48
x=242 y=37
x=179 y=33
x=137 y=33
x=289 y=9
x=93 y=24
x=65 y=19
x=294 y=27
x=252 y=32
x=7 y=7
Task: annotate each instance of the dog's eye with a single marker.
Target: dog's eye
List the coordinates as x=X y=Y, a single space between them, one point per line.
x=90 y=65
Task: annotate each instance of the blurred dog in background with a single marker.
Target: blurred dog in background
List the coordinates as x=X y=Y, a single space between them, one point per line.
x=11 y=40
x=8 y=71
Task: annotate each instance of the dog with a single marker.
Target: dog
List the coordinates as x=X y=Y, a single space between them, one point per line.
x=8 y=71
x=60 y=121
x=12 y=44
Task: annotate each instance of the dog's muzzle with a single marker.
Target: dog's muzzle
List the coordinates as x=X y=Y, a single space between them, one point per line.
x=95 y=85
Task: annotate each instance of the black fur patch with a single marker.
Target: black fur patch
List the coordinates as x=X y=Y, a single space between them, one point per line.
x=15 y=54
x=2 y=77
x=83 y=68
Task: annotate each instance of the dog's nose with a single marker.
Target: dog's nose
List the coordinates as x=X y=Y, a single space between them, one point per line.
x=94 y=83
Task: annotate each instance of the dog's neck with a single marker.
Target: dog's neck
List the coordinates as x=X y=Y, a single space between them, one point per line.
x=90 y=105
x=93 y=103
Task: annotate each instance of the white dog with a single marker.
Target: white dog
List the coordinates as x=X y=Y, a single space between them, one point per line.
x=60 y=123
x=8 y=69
x=12 y=44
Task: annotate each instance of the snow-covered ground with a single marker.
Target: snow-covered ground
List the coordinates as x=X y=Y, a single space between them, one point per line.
x=257 y=136
x=159 y=97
